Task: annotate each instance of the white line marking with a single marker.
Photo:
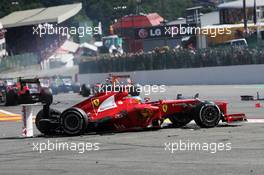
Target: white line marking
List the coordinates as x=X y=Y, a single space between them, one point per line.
x=6 y=112
x=248 y=121
x=255 y=121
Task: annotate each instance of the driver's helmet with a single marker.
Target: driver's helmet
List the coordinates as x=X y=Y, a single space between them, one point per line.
x=138 y=98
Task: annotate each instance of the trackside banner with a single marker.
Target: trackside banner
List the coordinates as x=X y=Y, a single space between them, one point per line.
x=166 y=31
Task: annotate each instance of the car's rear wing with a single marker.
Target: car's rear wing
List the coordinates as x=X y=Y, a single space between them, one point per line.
x=32 y=80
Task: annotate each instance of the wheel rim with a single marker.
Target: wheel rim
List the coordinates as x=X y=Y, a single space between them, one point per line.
x=72 y=122
x=210 y=114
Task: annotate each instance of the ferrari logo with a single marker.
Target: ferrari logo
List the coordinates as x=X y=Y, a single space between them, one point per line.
x=146 y=113
x=165 y=108
x=96 y=102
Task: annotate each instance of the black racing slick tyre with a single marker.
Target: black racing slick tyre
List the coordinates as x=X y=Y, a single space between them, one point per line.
x=10 y=98
x=180 y=120
x=85 y=91
x=46 y=96
x=207 y=115
x=48 y=125
x=74 y=121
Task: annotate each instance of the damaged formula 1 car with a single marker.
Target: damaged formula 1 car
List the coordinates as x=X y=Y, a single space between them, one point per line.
x=116 y=111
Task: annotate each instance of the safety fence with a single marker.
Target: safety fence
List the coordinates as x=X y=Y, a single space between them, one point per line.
x=18 y=61
x=174 y=59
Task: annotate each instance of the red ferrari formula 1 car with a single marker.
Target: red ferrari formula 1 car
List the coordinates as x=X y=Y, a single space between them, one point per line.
x=116 y=111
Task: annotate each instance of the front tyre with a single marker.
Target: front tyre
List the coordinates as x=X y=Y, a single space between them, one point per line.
x=74 y=121
x=207 y=115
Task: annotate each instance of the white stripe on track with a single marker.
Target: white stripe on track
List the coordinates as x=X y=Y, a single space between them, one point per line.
x=6 y=112
x=255 y=121
x=248 y=121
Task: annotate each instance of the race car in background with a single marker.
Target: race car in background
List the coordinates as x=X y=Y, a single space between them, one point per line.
x=68 y=85
x=60 y=84
x=117 y=111
x=25 y=91
x=112 y=83
x=8 y=91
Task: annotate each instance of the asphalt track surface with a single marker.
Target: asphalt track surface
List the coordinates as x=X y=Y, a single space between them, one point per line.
x=145 y=152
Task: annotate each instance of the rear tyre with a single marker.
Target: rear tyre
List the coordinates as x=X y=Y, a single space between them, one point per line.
x=85 y=91
x=48 y=125
x=10 y=98
x=180 y=120
x=207 y=115
x=74 y=121
x=46 y=96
